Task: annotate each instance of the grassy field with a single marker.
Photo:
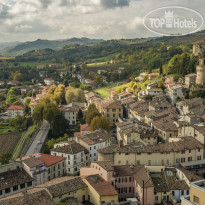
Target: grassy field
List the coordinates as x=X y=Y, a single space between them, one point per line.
x=105 y=90
x=5 y=129
x=8 y=142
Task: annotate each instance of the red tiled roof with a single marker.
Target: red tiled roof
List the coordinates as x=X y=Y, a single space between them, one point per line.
x=85 y=127
x=16 y=107
x=49 y=160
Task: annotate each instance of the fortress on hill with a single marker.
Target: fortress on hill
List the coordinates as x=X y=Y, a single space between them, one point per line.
x=199 y=50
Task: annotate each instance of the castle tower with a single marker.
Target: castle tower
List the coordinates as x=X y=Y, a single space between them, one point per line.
x=200 y=70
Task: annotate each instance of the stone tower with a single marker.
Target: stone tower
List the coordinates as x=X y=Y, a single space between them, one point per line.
x=200 y=70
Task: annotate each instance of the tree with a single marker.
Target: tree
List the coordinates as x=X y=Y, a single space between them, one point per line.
x=5 y=157
x=50 y=111
x=100 y=122
x=17 y=102
x=59 y=93
x=69 y=96
x=28 y=101
x=80 y=116
x=29 y=94
x=92 y=112
x=99 y=80
x=17 y=76
x=160 y=70
x=11 y=97
x=79 y=95
x=19 y=122
x=86 y=87
x=65 y=82
x=52 y=89
x=37 y=115
x=59 y=125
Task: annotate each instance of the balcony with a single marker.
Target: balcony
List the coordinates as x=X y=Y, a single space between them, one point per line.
x=39 y=170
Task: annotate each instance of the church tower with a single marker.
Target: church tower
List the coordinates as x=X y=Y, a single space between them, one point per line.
x=200 y=70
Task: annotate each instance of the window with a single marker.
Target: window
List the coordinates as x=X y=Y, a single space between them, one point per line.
x=113 y=115
x=15 y=188
x=81 y=154
x=59 y=166
x=75 y=170
x=8 y=190
x=29 y=184
x=182 y=159
x=164 y=198
x=49 y=170
x=94 y=147
x=113 y=110
x=90 y=148
x=173 y=193
x=189 y=159
x=22 y=186
x=68 y=156
x=183 y=152
x=130 y=189
x=198 y=150
x=59 y=173
x=54 y=168
x=74 y=156
x=196 y=199
x=198 y=157
x=130 y=179
x=189 y=151
x=187 y=192
x=0 y=192
x=182 y=193
x=54 y=175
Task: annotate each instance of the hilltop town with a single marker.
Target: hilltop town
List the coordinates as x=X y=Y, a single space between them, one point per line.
x=70 y=134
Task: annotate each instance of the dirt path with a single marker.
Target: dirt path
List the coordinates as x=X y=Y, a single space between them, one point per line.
x=21 y=144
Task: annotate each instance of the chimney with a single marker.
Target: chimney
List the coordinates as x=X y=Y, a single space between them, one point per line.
x=120 y=143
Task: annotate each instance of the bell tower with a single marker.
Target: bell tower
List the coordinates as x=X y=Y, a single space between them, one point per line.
x=200 y=70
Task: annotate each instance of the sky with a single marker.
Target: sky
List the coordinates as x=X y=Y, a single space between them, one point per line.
x=28 y=20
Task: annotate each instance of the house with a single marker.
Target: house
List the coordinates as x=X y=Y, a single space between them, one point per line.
x=14 y=82
x=76 y=156
x=41 y=66
x=166 y=127
x=190 y=78
x=14 y=179
x=126 y=179
x=68 y=190
x=142 y=75
x=16 y=110
x=85 y=129
x=100 y=191
x=197 y=193
x=36 y=169
x=152 y=76
x=33 y=105
x=175 y=93
x=49 y=81
x=44 y=167
x=111 y=110
x=70 y=114
x=168 y=186
x=94 y=141
x=171 y=153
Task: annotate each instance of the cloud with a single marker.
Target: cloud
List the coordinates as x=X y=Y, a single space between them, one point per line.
x=27 y=20
x=114 y=3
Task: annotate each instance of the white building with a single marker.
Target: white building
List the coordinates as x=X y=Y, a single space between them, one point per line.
x=175 y=92
x=16 y=110
x=76 y=156
x=49 y=81
x=70 y=113
x=94 y=141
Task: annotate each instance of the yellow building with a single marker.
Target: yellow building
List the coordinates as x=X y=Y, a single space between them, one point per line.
x=173 y=153
x=111 y=110
x=100 y=191
x=197 y=194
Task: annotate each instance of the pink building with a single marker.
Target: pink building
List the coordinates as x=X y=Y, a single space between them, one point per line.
x=127 y=180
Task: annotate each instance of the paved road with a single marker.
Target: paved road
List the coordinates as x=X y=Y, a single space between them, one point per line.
x=38 y=139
